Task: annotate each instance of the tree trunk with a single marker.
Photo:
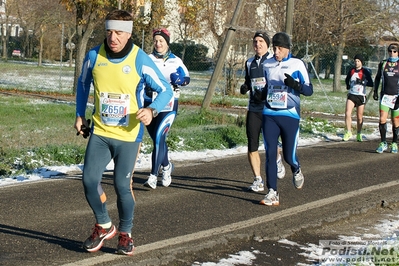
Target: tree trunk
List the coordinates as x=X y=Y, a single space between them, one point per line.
x=26 y=44
x=70 y=57
x=4 y=39
x=328 y=71
x=80 y=55
x=316 y=65
x=40 y=59
x=71 y=46
x=338 y=66
x=183 y=53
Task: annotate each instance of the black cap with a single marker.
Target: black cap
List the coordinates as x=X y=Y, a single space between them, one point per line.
x=393 y=46
x=162 y=32
x=263 y=35
x=360 y=57
x=282 y=39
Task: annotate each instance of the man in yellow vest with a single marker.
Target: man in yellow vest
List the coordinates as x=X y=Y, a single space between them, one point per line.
x=118 y=71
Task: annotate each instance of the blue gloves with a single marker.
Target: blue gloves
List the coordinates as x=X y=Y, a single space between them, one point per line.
x=177 y=78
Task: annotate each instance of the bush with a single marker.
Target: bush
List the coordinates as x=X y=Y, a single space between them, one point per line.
x=194 y=56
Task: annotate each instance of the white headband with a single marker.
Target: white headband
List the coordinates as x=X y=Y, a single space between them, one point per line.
x=119 y=25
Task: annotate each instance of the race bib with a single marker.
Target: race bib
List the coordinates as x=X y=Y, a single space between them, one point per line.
x=114 y=109
x=357 y=89
x=169 y=106
x=277 y=96
x=389 y=100
x=258 y=83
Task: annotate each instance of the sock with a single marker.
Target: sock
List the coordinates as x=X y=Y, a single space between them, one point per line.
x=395 y=134
x=106 y=226
x=383 y=131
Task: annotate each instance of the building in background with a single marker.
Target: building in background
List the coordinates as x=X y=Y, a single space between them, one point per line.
x=8 y=24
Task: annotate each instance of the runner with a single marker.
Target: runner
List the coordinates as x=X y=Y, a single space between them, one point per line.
x=286 y=79
x=356 y=81
x=388 y=72
x=174 y=71
x=118 y=70
x=255 y=83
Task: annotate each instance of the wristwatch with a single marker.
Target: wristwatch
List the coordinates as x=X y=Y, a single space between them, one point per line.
x=154 y=112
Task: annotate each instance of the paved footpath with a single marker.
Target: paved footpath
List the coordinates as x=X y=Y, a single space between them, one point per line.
x=205 y=214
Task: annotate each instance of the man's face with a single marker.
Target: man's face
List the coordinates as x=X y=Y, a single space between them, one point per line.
x=260 y=46
x=280 y=52
x=358 y=64
x=117 y=40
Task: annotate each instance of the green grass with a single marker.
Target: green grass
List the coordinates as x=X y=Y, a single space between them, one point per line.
x=37 y=133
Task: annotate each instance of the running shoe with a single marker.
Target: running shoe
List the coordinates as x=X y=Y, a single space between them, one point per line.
x=394 y=148
x=152 y=181
x=280 y=168
x=271 y=198
x=166 y=175
x=359 y=137
x=298 y=179
x=382 y=147
x=347 y=136
x=125 y=244
x=94 y=242
x=257 y=185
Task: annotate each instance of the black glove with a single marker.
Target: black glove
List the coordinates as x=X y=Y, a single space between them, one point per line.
x=375 y=96
x=358 y=81
x=291 y=82
x=86 y=130
x=259 y=95
x=244 y=88
x=348 y=87
x=148 y=91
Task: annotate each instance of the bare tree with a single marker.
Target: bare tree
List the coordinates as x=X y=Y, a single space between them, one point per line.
x=88 y=13
x=331 y=25
x=6 y=21
x=188 y=27
x=26 y=19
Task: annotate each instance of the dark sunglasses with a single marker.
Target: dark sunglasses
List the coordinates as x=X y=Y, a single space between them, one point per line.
x=393 y=51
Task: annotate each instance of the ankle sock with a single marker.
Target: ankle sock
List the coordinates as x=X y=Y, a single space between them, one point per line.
x=106 y=226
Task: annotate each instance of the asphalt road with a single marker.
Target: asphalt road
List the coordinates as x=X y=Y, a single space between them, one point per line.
x=206 y=213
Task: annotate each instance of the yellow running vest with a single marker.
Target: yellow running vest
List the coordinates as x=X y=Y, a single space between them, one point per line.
x=116 y=106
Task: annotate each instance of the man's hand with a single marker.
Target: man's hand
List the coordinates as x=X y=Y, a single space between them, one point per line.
x=82 y=126
x=375 y=96
x=259 y=95
x=148 y=91
x=291 y=82
x=144 y=115
x=244 y=88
